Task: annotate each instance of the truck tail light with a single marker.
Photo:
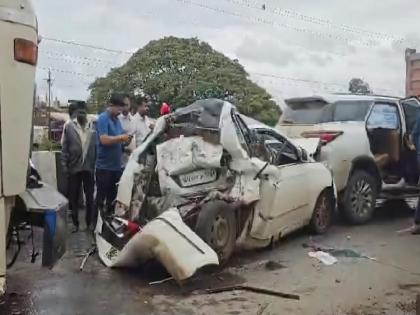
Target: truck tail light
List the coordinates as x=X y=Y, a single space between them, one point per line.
x=26 y=51
x=326 y=136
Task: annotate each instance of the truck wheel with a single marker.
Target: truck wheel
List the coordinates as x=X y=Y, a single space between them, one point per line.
x=323 y=213
x=359 y=198
x=216 y=225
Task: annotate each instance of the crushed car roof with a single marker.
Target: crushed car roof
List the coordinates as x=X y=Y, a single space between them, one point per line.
x=202 y=113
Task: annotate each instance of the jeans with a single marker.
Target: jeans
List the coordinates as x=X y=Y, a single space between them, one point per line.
x=76 y=180
x=106 y=190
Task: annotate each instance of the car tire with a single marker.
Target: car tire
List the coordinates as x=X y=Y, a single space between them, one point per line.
x=323 y=213
x=359 y=199
x=216 y=225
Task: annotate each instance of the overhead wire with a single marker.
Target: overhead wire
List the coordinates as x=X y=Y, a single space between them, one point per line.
x=90 y=59
x=338 y=86
x=314 y=20
x=78 y=62
x=272 y=23
x=68 y=42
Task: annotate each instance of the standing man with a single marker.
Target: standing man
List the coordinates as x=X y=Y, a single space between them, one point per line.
x=143 y=124
x=415 y=145
x=126 y=120
x=78 y=156
x=110 y=140
x=71 y=110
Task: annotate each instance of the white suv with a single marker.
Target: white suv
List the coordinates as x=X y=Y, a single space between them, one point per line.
x=364 y=141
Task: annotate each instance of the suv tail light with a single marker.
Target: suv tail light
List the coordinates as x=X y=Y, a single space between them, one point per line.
x=26 y=51
x=326 y=136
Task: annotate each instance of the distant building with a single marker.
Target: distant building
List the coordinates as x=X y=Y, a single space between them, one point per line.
x=412 y=82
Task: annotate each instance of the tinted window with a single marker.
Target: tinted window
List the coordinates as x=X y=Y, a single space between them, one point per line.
x=338 y=111
x=384 y=116
x=307 y=113
x=351 y=111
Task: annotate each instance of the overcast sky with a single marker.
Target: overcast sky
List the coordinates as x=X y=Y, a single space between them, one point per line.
x=291 y=48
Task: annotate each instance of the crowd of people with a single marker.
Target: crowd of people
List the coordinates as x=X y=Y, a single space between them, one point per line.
x=96 y=154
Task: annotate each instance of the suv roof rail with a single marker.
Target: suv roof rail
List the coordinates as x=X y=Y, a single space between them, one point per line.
x=410 y=98
x=373 y=95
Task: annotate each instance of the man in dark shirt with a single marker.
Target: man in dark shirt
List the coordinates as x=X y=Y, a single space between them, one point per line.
x=415 y=139
x=110 y=140
x=78 y=160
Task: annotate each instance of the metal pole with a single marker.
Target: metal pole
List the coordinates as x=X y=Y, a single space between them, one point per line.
x=49 y=103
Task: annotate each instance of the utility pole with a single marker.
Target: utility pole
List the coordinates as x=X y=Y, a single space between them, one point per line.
x=49 y=82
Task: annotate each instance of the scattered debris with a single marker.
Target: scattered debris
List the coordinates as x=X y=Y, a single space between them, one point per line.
x=409 y=286
x=253 y=289
x=348 y=253
x=323 y=257
x=263 y=308
x=315 y=247
x=273 y=265
x=407 y=308
x=337 y=252
x=89 y=253
x=160 y=281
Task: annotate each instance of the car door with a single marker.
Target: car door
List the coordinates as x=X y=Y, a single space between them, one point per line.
x=286 y=185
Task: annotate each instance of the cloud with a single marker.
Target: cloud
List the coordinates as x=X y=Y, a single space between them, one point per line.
x=266 y=51
x=328 y=43
x=320 y=60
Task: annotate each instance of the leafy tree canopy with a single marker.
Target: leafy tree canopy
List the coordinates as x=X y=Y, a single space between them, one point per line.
x=180 y=71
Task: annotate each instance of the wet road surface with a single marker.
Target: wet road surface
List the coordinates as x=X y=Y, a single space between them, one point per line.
x=352 y=284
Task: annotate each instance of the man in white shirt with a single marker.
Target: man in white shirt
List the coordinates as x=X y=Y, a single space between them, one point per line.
x=142 y=122
x=127 y=123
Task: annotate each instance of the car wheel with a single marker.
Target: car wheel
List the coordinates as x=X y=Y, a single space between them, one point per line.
x=323 y=213
x=359 y=198
x=216 y=225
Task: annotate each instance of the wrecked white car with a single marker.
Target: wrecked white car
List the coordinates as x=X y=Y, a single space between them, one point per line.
x=203 y=183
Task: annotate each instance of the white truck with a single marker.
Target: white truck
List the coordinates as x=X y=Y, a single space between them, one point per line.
x=18 y=59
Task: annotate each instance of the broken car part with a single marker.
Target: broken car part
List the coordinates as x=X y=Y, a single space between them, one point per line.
x=255 y=290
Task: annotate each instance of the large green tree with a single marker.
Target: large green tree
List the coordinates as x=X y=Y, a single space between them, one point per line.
x=180 y=71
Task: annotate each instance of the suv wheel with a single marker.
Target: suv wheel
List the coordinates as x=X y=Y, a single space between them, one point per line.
x=359 y=198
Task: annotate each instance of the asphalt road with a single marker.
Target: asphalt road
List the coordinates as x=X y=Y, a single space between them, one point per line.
x=386 y=285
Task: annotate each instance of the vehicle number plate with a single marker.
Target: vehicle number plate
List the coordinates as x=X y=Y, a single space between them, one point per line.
x=198 y=177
